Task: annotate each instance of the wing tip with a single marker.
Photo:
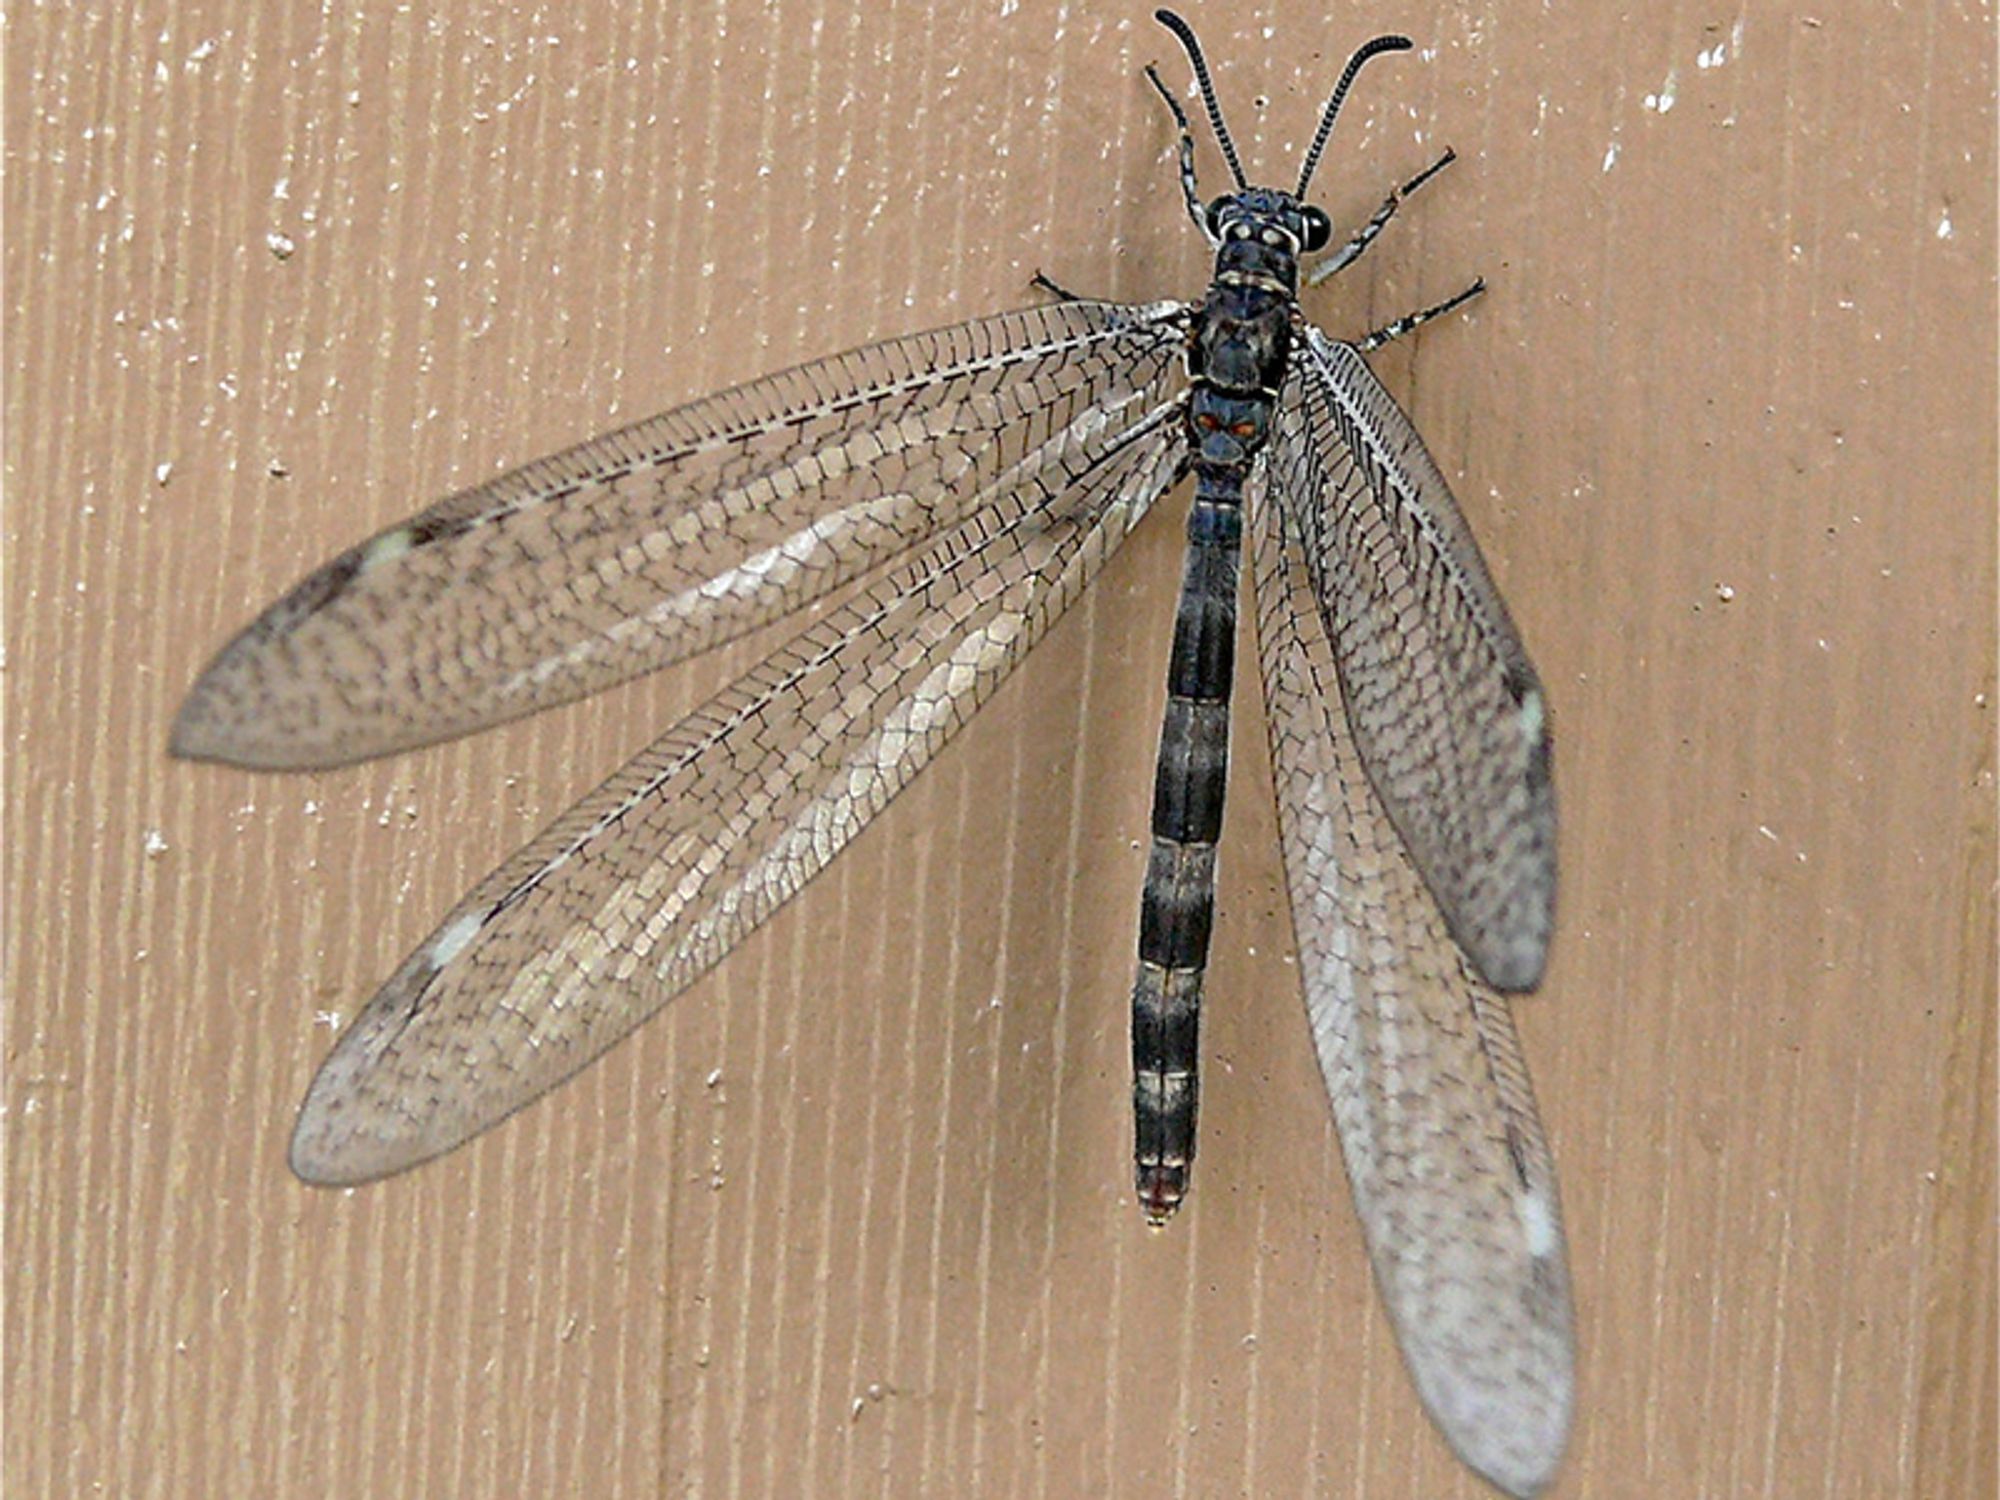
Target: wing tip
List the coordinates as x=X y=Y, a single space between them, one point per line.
x=343 y=1138
x=1515 y=968
x=1507 y=944
x=317 y=1164
x=198 y=733
x=185 y=742
x=210 y=728
x=1496 y=1368
x=326 y=1152
x=1526 y=1467
x=1516 y=1446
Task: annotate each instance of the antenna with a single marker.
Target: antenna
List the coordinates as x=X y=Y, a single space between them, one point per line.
x=1368 y=50
x=1185 y=32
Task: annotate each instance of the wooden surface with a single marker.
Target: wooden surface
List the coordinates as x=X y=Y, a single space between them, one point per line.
x=855 y=1216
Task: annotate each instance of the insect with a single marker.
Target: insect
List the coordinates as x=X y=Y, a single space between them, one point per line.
x=963 y=486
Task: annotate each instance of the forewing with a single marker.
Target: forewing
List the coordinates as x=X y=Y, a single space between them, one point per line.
x=663 y=869
x=1452 y=1178
x=670 y=536
x=1445 y=708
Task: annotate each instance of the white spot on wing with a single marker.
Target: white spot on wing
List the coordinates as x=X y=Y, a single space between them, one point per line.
x=451 y=942
x=1533 y=718
x=1538 y=1224
x=386 y=548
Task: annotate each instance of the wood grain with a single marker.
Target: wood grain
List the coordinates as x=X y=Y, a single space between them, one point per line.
x=855 y=1216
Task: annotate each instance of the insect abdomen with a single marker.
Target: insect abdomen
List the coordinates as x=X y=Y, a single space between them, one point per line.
x=1177 y=909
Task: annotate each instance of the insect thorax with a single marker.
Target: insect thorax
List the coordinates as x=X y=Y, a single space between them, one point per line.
x=1242 y=336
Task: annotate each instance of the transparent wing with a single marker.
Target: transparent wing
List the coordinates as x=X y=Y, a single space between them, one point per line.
x=1445 y=708
x=662 y=870
x=1452 y=1178
x=671 y=536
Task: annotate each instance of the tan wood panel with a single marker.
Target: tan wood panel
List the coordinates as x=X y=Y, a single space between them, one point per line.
x=855 y=1217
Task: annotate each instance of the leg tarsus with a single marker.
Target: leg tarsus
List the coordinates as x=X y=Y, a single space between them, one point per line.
x=1060 y=293
x=1409 y=321
x=1427 y=174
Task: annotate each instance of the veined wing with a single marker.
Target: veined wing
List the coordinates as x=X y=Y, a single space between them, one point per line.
x=663 y=869
x=1445 y=708
x=672 y=535
x=1452 y=1178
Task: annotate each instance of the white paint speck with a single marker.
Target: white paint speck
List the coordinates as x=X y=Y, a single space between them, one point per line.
x=1611 y=156
x=156 y=843
x=281 y=244
x=162 y=473
x=1944 y=225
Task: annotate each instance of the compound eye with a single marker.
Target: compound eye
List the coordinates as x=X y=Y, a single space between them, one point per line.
x=1318 y=227
x=1213 y=214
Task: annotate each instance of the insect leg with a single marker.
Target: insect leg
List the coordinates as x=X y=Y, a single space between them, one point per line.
x=1349 y=253
x=1060 y=293
x=1189 y=190
x=1409 y=321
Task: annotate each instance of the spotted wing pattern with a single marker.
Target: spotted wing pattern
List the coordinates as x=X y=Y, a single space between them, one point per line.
x=1452 y=1177
x=1038 y=467
x=1445 y=708
x=671 y=536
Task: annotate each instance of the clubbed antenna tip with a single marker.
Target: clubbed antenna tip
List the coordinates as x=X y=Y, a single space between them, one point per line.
x=1367 y=50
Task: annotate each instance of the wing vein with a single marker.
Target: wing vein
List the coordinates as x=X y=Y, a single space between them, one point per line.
x=652 y=878
x=1443 y=704
x=671 y=536
x=1452 y=1176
